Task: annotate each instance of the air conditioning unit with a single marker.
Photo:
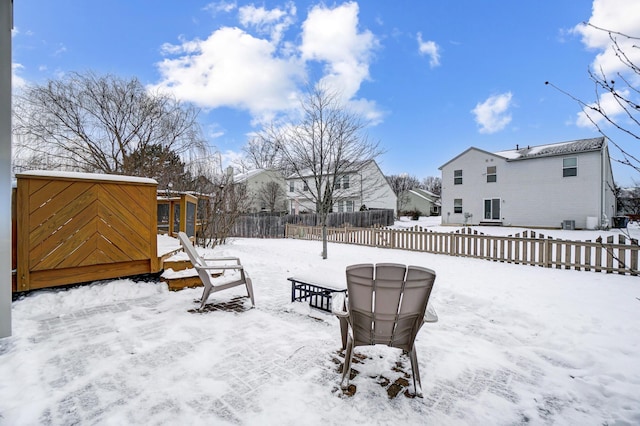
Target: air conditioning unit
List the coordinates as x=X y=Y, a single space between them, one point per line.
x=569 y=225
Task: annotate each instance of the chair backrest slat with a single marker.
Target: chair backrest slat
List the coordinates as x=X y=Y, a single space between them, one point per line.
x=387 y=302
x=188 y=247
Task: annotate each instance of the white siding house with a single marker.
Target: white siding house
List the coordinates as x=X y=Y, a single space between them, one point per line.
x=262 y=185
x=540 y=186
x=364 y=186
x=416 y=199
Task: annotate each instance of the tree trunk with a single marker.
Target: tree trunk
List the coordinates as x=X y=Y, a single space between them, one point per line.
x=324 y=239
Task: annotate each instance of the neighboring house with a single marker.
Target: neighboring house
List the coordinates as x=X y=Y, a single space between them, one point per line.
x=265 y=190
x=364 y=186
x=629 y=202
x=427 y=203
x=539 y=186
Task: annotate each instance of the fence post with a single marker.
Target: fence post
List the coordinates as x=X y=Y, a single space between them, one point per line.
x=547 y=253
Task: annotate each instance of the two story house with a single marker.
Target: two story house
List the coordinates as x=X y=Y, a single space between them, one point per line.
x=265 y=190
x=361 y=186
x=567 y=184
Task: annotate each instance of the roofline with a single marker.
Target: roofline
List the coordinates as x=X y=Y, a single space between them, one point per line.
x=469 y=149
x=563 y=154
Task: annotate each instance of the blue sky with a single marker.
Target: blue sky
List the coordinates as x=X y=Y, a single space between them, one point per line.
x=434 y=78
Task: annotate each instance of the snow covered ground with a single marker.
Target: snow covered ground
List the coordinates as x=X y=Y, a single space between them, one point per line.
x=514 y=345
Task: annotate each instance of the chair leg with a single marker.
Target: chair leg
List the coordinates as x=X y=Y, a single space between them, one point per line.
x=249 y=286
x=417 y=384
x=207 y=289
x=346 y=368
x=344 y=329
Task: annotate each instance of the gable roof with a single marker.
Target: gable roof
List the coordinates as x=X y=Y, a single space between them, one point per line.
x=473 y=148
x=539 y=151
x=424 y=194
x=551 y=150
x=243 y=177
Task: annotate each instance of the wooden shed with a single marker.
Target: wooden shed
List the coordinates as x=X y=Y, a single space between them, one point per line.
x=78 y=227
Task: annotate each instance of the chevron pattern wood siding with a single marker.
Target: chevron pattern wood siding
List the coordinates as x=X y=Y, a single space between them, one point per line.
x=72 y=231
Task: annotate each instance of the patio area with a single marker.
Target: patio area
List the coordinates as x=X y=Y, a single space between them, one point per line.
x=514 y=345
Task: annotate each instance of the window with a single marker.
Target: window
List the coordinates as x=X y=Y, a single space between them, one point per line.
x=492 y=174
x=569 y=167
x=457 y=205
x=342 y=182
x=345 y=206
x=305 y=187
x=457 y=177
x=291 y=186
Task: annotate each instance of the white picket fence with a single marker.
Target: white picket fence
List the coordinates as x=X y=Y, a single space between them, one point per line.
x=528 y=248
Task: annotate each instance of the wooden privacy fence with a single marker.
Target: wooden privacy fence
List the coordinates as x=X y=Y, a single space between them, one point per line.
x=265 y=225
x=613 y=255
x=75 y=227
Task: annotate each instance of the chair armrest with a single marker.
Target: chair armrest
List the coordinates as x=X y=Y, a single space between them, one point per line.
x=339 y=305
x=430 y=314
x=221 y=259
x=214 y=268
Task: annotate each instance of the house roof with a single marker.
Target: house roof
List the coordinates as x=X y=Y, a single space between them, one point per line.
x=353 y=167
x=550 y=150
x=426 y=195
x=423 y=193
x=539 y=151
x=243 y=177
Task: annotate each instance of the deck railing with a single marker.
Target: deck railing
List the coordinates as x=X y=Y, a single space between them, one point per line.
x=610 y=255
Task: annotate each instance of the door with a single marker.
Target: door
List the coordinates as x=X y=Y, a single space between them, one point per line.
x=492 y=209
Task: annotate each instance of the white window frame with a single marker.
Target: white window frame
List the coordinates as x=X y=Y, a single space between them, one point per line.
x=492 y=204
x=492 y=176
x=566 y=168
x=457 y=177
x=457 y=206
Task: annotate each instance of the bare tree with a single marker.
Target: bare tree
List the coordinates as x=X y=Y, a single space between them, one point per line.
x=272 y=196
x=321 y=149
x=400 y=185
x=221 y=201
x=622 y=89
x=432 y=184
x=102 y=124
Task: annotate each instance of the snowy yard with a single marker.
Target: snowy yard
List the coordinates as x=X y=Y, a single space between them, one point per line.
x=514 y=345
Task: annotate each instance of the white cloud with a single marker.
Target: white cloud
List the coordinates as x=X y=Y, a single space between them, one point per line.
x=273 y=22
x=220 y=6
x=431 y=49
x=232 y=68
x=17 y=82
x=608 y=105
x=615 y=15
x=493 y=114
x=332 y=37
x=261 y=72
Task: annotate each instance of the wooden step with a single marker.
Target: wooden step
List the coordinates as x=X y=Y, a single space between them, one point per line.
x=190 y=280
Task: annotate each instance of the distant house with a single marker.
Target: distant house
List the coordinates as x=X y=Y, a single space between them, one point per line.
x=265 y=190
x=427 y=203
x=364 y=186
x=558 y=185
